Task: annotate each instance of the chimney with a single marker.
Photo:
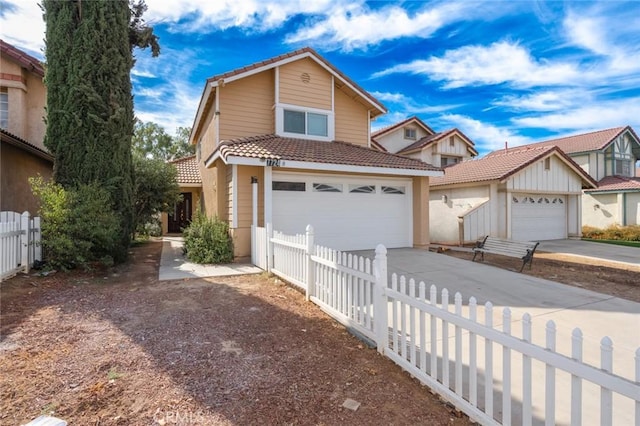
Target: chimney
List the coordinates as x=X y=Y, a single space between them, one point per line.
x=506 y=146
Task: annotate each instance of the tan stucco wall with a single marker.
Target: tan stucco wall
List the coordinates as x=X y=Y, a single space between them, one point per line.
x=352 y=120
x=16 y=166
x=242 y=233
x=314 y=93
x=27 y=99
x=246 y=106
x=421 y=212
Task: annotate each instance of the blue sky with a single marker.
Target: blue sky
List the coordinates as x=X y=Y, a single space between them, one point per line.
x=515 y=71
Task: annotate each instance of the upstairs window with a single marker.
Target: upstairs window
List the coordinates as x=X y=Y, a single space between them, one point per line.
x=4 y=108
x=306 y=123
x=447 y=161
x=410 y=133
x=452 y=141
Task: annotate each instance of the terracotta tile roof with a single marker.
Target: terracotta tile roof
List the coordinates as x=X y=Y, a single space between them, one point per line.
x=336 y=152
x=275 y=59
x=400 y=124
x=500 y=165
x=431 y=139
x=26 y=145
x=592 y=141
x=188 y=171
x=23 y=58
x=617 y=183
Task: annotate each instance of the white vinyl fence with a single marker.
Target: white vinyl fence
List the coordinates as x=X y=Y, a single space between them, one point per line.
x=496 y=376
x=19 y=243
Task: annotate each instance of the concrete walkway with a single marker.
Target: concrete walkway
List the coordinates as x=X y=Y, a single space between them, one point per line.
x=589 y=249
x=174 y=265
x=596 y=314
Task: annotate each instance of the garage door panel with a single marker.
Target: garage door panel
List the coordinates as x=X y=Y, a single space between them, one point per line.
x=345 y=220
x=538 y=217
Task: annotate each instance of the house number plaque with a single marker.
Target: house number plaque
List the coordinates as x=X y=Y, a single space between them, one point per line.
x=274 y=162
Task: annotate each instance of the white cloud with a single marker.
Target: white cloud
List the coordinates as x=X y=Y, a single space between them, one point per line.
x=487 y=137
x=356 y=26
x=590 y=30
x=21 y=25
x=254 y=15
x=500 y=62
x=601 y=115
x=551 y=100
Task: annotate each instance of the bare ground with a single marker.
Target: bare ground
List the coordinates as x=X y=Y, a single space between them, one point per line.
x=117 y=347
x=597 y=275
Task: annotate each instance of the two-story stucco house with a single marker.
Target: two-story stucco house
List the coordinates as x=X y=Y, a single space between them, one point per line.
x=22 y=128
x=301 y=128
x=414 y=139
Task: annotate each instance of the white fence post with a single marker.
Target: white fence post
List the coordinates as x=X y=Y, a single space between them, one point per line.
x=269 y=247
x=24 y=241
x=380 y=297
x=311 y=280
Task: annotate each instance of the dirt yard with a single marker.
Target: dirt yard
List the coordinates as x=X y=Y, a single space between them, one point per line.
x=601 y=276
x=118 y=347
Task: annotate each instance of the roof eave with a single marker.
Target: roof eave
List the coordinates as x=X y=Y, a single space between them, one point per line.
x=309 y=165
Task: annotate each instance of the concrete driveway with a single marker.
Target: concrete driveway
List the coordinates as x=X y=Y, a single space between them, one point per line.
x=596 y=314
x=609 y=252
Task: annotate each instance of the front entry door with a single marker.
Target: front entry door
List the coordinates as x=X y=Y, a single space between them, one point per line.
x=181 y=216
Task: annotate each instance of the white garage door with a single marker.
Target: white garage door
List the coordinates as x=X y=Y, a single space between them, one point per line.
x=347 y=213
x=538 y=217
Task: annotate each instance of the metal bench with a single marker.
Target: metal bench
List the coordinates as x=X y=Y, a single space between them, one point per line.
x=521 y=249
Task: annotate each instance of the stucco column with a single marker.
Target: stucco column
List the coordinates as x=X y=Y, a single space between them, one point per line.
x=421 y=212
x=493 y=209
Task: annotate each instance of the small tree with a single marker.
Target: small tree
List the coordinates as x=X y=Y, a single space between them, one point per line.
x=150 y=140
x=155 y=189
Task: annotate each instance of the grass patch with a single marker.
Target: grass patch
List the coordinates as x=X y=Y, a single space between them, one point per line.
x=615 y=242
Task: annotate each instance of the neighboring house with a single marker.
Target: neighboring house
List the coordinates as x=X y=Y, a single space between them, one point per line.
x=414 y=139
x=190 y=184
x=22 y=128
x=610 y=157
x=301 y=129
x=524 y=193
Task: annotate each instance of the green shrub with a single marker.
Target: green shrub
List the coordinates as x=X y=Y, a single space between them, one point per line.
x=207 y=240
x=613 y=232
x=78 y=225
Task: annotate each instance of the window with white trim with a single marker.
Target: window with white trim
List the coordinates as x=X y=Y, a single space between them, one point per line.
x=447 y=161
x=4 y=108
x=409 y=133
x=305 y=123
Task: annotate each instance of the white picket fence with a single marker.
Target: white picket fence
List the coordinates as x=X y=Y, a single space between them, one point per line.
x=19 y=243
x=451 y=351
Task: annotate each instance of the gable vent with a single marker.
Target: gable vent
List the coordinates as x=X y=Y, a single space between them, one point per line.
x=305 y=77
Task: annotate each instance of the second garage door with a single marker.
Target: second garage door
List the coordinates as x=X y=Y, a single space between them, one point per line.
x=538 y=217
x=347 y=213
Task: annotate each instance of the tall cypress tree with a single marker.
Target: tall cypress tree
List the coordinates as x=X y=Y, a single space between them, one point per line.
x=89 y=101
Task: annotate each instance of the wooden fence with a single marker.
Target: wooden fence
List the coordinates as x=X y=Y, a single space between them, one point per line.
x=452 y=352
x=19 y=243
